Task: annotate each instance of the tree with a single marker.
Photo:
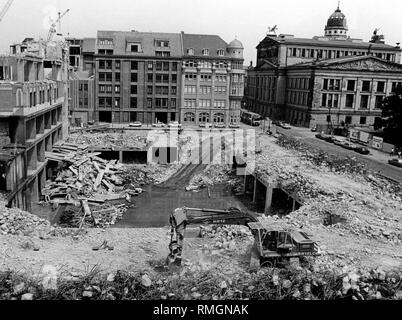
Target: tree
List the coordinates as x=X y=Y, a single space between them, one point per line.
x=391 y=120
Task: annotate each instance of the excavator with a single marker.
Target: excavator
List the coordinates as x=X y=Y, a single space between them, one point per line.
x=271 y=247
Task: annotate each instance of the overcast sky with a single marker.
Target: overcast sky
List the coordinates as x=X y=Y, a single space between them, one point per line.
x=246 y=19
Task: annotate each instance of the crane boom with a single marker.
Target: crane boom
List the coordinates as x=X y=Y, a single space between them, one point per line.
x=5 y=9
x=52 y=29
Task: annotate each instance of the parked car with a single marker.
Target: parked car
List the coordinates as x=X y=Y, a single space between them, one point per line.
x=314 y=129
x=362 y=150
x=349 y=145
x=339 y=141
x=234 y=125
x=158 y=125
x=395 y=162
x=285 y=126
x=136 y=124
x=174 y=124
x=321 y=136
x=329 y=139
x=220 y=125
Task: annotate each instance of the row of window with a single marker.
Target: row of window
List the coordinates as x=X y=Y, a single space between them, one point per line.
x=299 y=83
x=106 y=102
x=205 y=64
x=332 y=54
x=298 y=97
x=205 y=77
x=159 y=65
x=204 y=89
x=205 y=52
x=330 y=100
x=204 y=103
x=264 y=81
x=366 y=85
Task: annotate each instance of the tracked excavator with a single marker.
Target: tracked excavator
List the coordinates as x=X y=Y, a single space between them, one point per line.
x=271 y=247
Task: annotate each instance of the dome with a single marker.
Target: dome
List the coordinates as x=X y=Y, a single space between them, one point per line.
x=337 y=20
x=235 y=44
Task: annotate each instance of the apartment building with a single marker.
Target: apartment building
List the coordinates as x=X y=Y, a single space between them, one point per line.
x=331 y=80
x=157 y=77
x=212 y=80
x=137 y=77
x=33 y=117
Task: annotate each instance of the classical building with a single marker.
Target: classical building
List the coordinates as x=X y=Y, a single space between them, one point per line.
x=212 y=80
x=33 y=117
x=333 y=80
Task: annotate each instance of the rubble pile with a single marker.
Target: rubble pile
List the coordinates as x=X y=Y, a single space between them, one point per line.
x=226 y=237
x=267 y=284
x=88 y=181
x=17 y=222
x=323 y=159
x=110 y=140
x=212 y=175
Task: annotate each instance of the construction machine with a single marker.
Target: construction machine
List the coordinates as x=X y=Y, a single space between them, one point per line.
x=270 y=246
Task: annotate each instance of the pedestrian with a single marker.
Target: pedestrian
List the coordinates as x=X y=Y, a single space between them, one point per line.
x=392 y=152
x=399 y=154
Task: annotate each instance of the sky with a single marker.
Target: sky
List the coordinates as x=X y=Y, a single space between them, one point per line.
x=247 y=20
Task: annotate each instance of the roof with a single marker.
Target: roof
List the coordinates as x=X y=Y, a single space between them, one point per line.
x=327 y=42
x=236 y=44
x=88 y=45
x=198 y=42
x=352 y=61
x=147 y=40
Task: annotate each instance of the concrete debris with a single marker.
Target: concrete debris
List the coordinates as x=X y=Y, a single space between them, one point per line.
x=146 y=281
x=27 y=296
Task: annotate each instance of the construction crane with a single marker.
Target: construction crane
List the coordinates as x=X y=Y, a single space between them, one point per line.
x=5 y=9
x=52 y=29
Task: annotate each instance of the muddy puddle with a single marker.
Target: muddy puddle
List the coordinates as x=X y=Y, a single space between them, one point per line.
x=152 y=208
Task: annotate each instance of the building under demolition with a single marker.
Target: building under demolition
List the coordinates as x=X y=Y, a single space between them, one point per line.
x=33 y=117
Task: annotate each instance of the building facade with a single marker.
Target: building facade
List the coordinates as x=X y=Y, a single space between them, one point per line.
x=212 y=80
x=157 y=77
x=33 y=117
x=306 y=81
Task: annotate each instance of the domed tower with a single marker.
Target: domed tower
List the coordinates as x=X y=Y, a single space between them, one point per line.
x=336 y=26
x=235 y=49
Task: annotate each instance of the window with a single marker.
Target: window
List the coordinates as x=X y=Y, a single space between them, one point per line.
x=162 y=90
x=117 y=64
x=174 y=66
x=162 y=78
x=162 y=54
x=108 y=102
x=189 y=117
x=117 y=89
x=109 y=89
x=205 y=52
x=349 y=100
x=149 y=103
x=173 y=103
x=109 y=77
x=395 y=85
x=189 y=103
x=220 y=104
x=190 y=89
x=380 y=86
x=325 y=86
x=206 y=77
x=105 y=42
x=162 y=66
x=173 y=90
x=364 y=101
x=191 y=76
x=150 y=66
x=220 y=90
x=149 y=89
x=366 y=86
x=134 y=77
x=162 y=44
x=329 y=119
x=102 y=88
x=205 y=89
x=133 y=89
x=190 y=51
x=117 y=102
x=351 y=85
x=220 y=78
x=348 y=120
x=134 y=65
x=324 y=100
x=221 y=52
x=150 y=77
x=378 y=101
x=133 y=102
x=203 y=117
x=117 y=76
x=134 y=47
x=363 y=120
x=101 y=102
x=204 y=103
